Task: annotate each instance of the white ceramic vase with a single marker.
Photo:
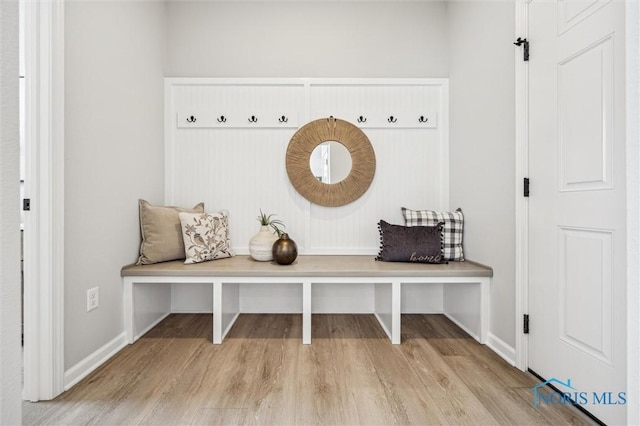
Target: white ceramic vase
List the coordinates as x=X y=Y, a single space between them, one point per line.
x=260 y=245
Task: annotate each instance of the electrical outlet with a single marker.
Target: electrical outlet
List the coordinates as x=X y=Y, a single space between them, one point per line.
x=92 y=299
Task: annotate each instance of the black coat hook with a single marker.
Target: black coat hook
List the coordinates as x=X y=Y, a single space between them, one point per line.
x=222 y=119
x=191 y=119
x=362 y=119
x=283 y=119
x=253 y=119
x=423 y=119
x=392 y=119
x=525 y=52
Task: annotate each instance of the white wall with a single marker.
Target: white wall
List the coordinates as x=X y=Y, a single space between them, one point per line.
x=118 y=52
x=113 y=155
x=10 y=363
x=469 y=41
x=481 y=64
x=306 y=39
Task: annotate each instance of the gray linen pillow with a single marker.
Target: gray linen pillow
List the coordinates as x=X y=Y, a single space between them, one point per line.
x=161 y=232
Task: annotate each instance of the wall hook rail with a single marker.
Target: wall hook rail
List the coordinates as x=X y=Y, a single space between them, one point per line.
x=392 y=119
x=362 y=119
x=283 y=119
x=191 y=119
x=222 y=119
x=253 y=119
x=423 y=119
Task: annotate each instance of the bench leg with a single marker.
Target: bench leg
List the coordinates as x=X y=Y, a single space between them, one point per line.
x=387 y=309
x=306 y=312
x=485 y=309
x=226 y=308
x=217 y=313
x=396 y=312
x=127 y=284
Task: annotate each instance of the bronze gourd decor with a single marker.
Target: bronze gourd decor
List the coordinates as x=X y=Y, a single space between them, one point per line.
x=363 y=160
x=284 y=250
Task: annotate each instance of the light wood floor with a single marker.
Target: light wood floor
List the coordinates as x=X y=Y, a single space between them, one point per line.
x=262 y=374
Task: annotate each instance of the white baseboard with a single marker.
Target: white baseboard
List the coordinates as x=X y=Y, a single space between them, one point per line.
x=496 y=344
x=500 y=347
x=82 y=369
x=191 y=311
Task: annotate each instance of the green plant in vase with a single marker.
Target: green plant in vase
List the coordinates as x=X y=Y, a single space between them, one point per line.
x=275 y=224
x=260 y=245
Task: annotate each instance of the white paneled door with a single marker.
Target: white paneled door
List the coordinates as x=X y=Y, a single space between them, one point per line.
x=577 y=204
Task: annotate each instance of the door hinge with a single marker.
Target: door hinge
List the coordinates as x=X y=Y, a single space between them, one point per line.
x=26 y=204
x=523 y=42
x=525 y=192
x=525 y=324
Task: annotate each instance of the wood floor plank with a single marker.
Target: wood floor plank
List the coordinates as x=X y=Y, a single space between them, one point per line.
x=272 y=398
x=408 y=398
x=216 y=379
x=317 y=398
x=361 y=403
x=454 y=399
x=262 y=374
x=446 y=337
x=489 y=359
x=130 y=374
x=501 y=401
x=220 y=416
x=567 y=416
x=159 y=371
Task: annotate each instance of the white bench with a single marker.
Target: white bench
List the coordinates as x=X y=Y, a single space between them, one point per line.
x=387 y=277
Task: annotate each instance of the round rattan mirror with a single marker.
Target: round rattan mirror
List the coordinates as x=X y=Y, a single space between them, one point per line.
x=363 y=162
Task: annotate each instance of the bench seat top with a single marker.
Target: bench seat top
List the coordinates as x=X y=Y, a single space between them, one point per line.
x=309 y=266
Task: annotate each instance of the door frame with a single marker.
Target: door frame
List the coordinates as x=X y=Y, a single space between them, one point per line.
x=632 y=147
x=522 y=203
x=632 y=71
x=44 y=185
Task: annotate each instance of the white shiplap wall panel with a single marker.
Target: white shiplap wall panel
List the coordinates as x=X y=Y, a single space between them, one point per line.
x=227 y=171
x=406 y=175
x=242 y=169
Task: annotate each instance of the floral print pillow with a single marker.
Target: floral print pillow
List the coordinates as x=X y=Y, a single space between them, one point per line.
x=206 y=236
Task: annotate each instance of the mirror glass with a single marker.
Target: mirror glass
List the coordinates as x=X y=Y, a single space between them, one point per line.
x=341 y=178
x=330 y=162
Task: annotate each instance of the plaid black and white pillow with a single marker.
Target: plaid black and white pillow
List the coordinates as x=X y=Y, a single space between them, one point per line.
x=452 y=230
